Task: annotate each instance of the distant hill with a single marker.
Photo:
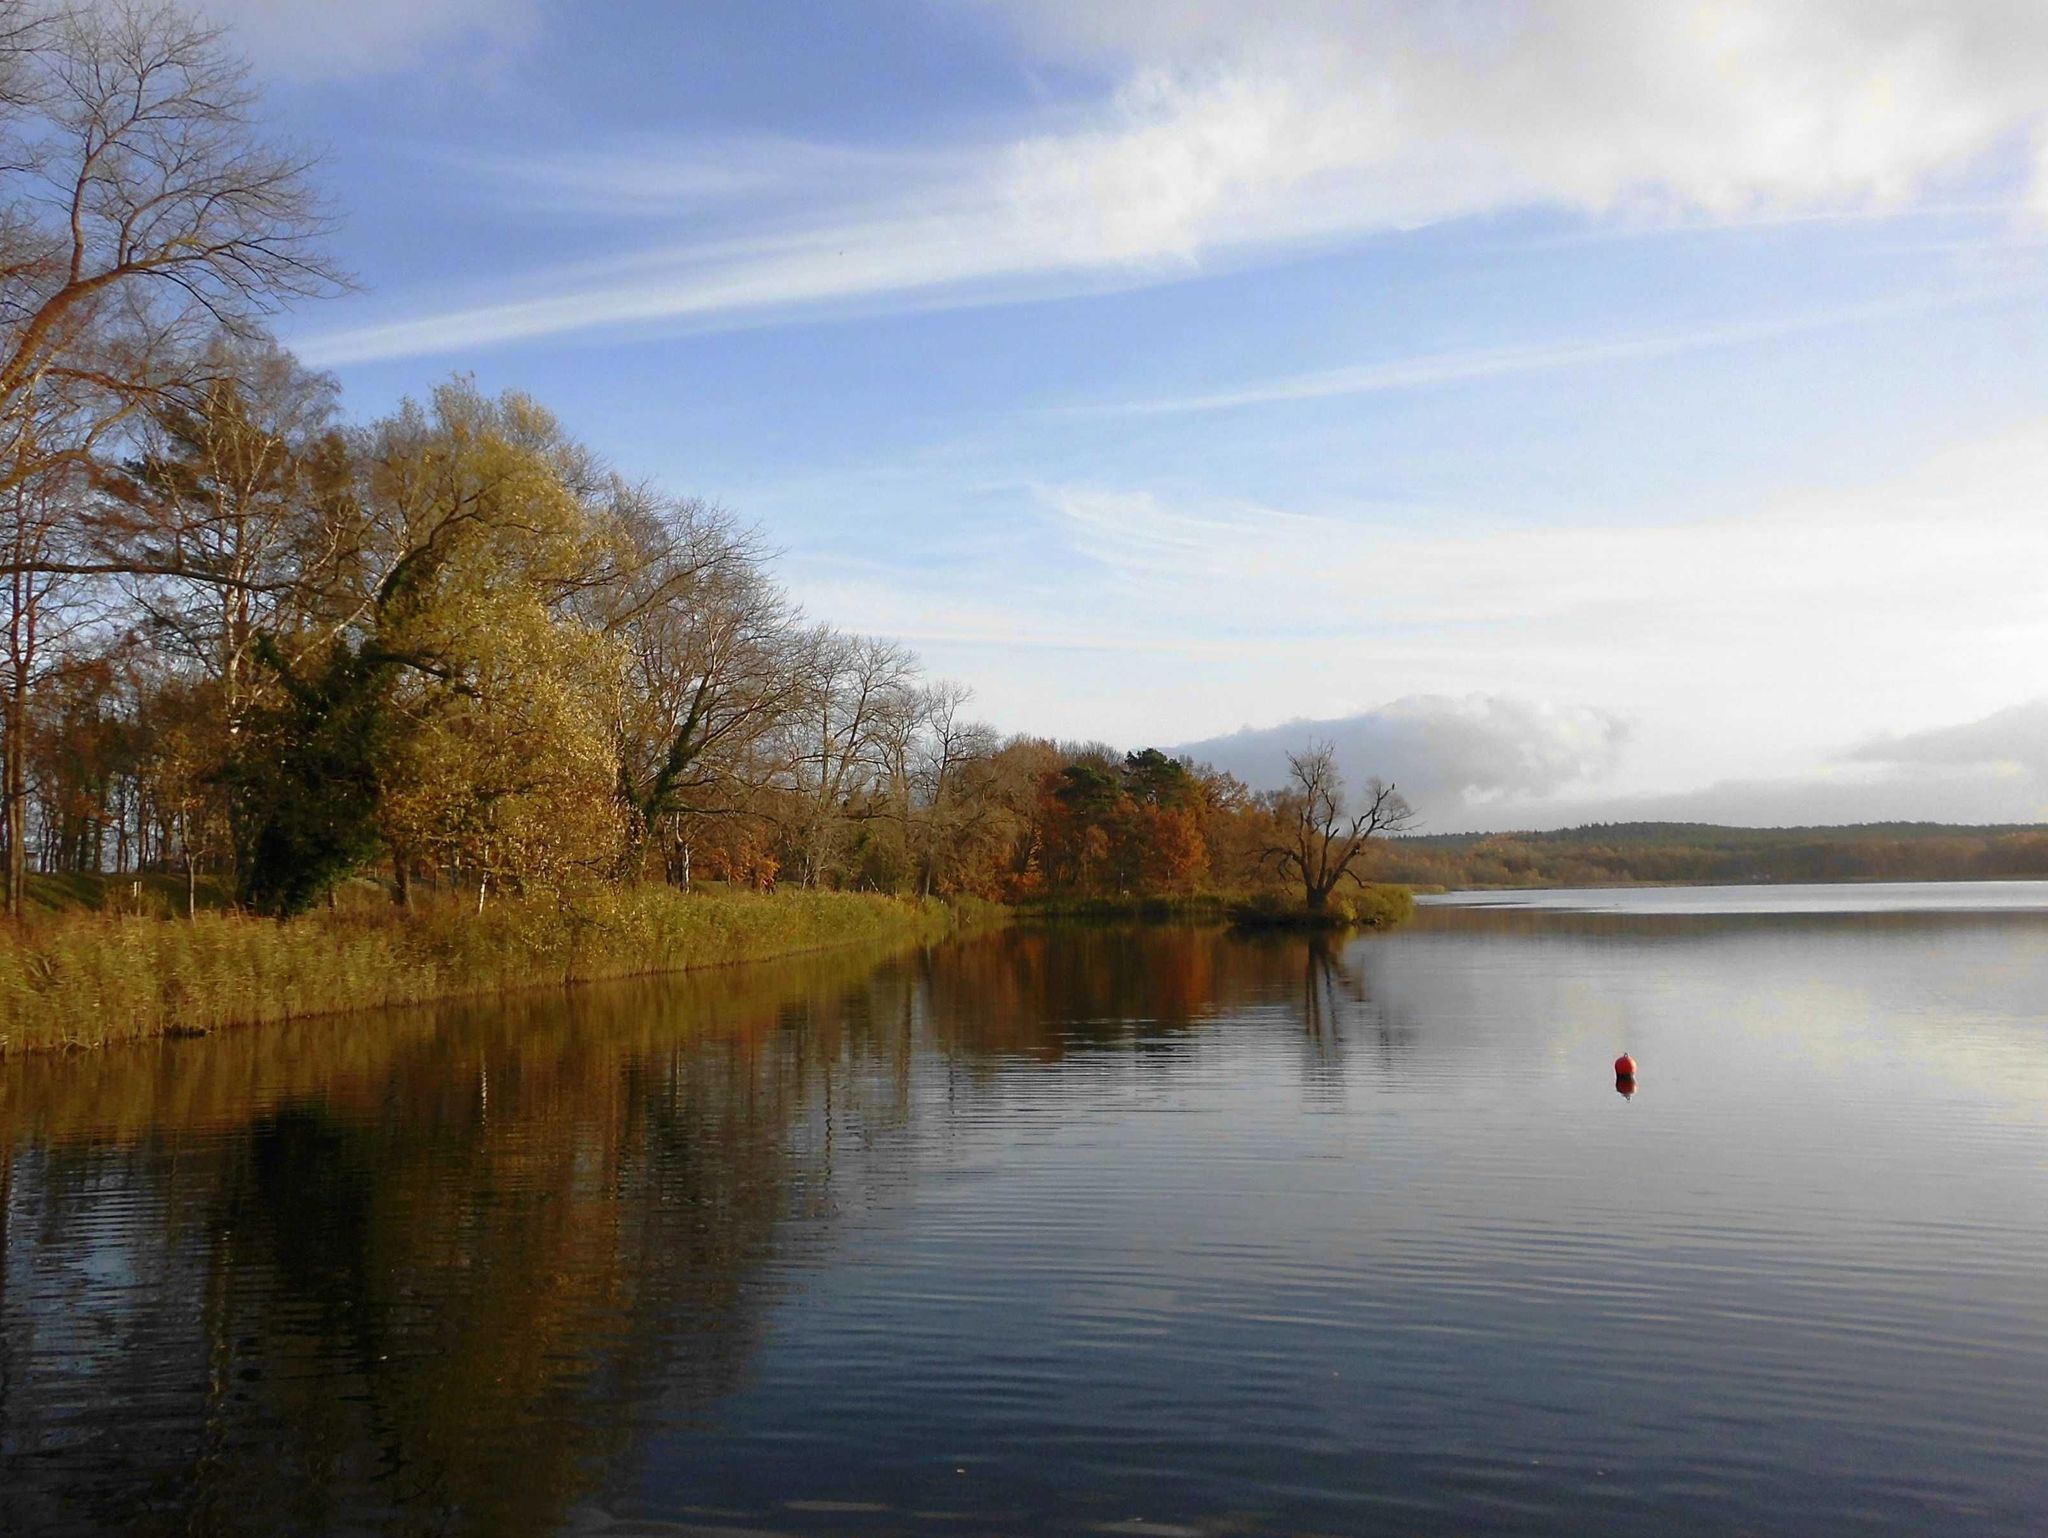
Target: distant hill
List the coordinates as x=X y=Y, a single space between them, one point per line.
x=1625 y=853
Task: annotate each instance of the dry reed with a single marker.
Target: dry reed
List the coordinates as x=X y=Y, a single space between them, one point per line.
x=85 y=979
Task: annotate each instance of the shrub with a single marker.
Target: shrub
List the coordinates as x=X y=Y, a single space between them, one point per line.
x=1372 y=907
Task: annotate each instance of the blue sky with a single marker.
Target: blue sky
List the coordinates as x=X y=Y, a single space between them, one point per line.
x=1620 y=410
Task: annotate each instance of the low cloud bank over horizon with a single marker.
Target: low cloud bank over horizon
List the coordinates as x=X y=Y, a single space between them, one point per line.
x=2013 y=740
x=1490 y=763
x=1449 y=756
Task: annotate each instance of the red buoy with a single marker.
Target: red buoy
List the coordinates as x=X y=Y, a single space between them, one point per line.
x=1624 y=1067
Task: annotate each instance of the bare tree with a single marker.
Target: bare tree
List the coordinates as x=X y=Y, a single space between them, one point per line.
x=714 y=664
x=858 y=685
x=41 y=613
x=1318 y=840
x=947 y=745
x=140 y=209
x=242 y=483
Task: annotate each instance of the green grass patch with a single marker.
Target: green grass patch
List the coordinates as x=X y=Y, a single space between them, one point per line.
x=156 y=894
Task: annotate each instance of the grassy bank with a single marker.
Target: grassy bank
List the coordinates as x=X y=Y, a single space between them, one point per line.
x=87 y=979
x=1372 y=907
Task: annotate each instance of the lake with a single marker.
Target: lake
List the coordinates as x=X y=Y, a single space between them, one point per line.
x=1148 y=1231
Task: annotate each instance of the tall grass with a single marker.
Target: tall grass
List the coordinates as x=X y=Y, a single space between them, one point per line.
x=87 y=979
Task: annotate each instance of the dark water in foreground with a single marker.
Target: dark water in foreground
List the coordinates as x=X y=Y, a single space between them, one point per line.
x=1148 y=1232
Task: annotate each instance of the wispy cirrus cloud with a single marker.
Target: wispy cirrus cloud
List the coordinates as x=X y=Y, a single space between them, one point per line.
x=1952 y=546
x=1429 y=369
x=648 y=177
x=1218 y=142
x=1758 y=639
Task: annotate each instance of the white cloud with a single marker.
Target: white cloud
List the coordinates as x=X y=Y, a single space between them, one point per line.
x=1443 y=108
x=2011 y=740
x=1934 y=550
x=1219 y=140
x=351 y=39
x=1449 y=756
x=1753 y=643
x=1489 y=762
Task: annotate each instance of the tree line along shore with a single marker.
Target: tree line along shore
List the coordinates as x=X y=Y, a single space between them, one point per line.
x=439 y=701
x=323 y=712
x=1692 y=854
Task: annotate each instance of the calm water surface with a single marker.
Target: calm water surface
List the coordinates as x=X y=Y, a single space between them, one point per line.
x=1155 y=1231
x=1863 y=897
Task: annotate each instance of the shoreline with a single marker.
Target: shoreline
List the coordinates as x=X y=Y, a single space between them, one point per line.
x=83 y=981
x=1379 y=905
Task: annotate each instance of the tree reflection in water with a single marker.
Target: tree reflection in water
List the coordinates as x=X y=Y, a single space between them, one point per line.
x=440 y=1271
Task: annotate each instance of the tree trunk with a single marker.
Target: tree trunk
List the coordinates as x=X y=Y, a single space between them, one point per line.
x=17 y=826
x=16 y=794
x=191 y=883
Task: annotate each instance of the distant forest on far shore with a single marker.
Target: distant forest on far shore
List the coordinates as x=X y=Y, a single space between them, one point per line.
x=1625 y=853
